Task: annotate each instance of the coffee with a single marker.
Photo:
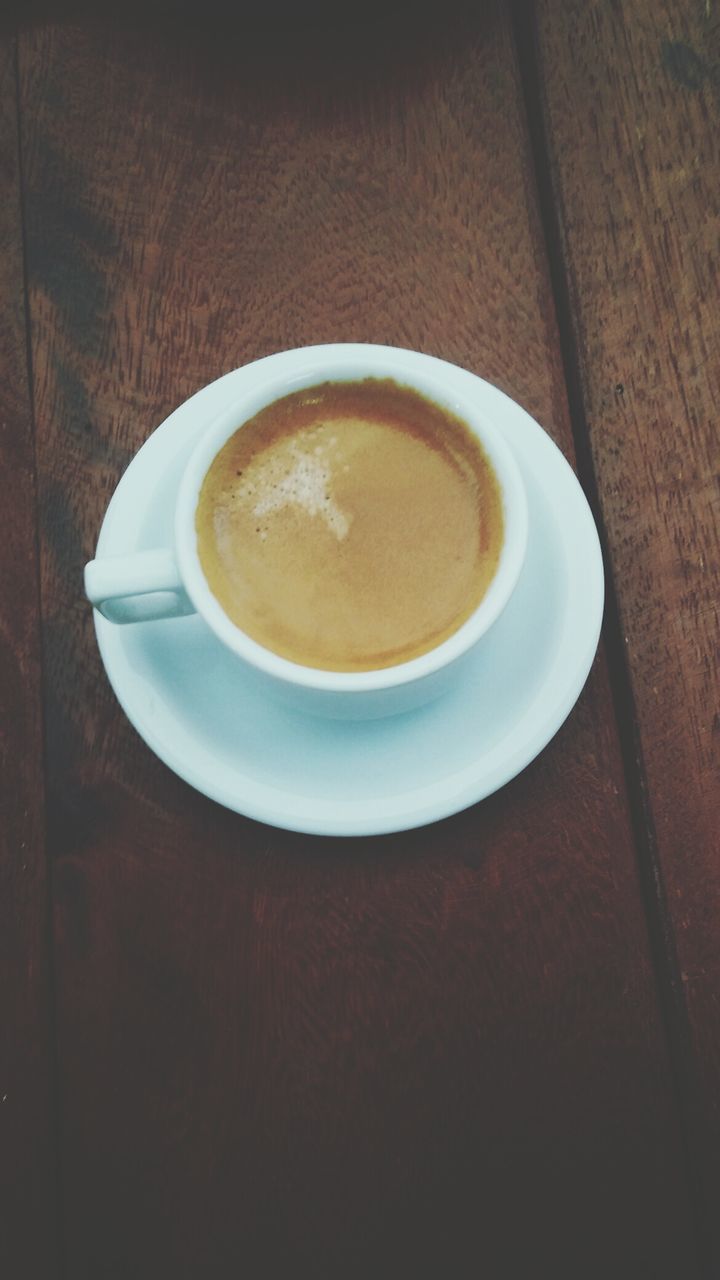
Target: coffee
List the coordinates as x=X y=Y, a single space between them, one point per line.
x=350 y=526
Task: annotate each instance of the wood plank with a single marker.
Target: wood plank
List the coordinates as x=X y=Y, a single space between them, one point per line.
x=632 y=110
x=411 y=1055
x=28 y=1235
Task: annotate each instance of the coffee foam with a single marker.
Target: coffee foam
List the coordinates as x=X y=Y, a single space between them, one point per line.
x=296 y=472
x=352 y=529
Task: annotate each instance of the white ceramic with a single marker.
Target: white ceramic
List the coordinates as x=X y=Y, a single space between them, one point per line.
x=246 y=751
x=169 y=582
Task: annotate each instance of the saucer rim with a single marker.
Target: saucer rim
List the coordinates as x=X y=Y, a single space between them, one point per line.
x=410 y=808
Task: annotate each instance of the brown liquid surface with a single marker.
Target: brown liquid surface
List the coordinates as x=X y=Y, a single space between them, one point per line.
x=351 y=526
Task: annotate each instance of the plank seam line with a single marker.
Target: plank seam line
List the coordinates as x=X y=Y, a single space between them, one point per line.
x=55 y=1099
x=666 y=969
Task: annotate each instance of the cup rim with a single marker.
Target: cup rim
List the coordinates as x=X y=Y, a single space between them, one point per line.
x=352 y=362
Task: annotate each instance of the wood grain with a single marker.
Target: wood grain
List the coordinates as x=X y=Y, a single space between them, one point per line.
x=432 y=1054
x=633 y=108
x=28 y=1223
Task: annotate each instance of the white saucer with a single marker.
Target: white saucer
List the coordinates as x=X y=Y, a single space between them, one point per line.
x=201 y=714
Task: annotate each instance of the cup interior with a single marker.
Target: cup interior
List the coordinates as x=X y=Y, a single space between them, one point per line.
x=306 y=368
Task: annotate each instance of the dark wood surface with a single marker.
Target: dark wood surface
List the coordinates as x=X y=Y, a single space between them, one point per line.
x=633 y=111
x=28 y=1218
x=450 y=1052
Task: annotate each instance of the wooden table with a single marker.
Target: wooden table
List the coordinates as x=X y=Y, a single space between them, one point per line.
x=487 y=1048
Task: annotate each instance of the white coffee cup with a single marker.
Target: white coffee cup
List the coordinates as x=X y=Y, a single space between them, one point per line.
x=169 y=582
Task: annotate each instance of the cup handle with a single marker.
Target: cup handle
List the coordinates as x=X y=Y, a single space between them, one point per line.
x=137 y=588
